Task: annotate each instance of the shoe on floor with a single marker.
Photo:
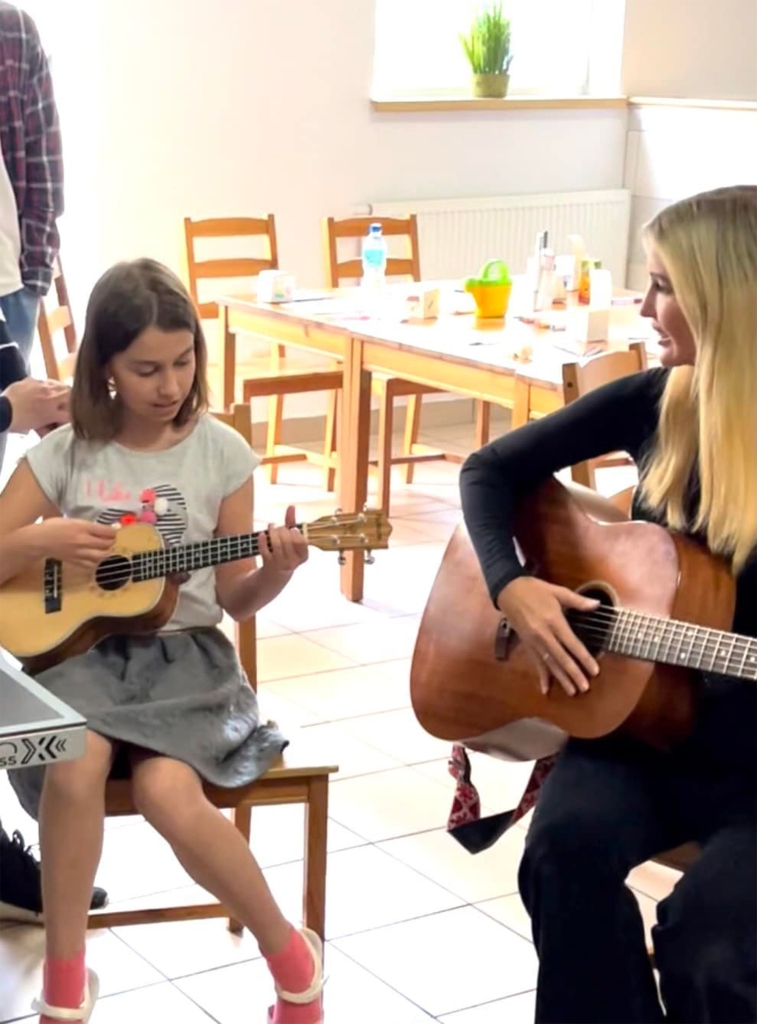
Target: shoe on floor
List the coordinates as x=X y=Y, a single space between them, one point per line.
x=316 y=986
x=21 y=884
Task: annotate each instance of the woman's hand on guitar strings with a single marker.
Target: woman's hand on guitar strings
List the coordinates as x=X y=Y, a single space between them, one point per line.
x=284 y=548
x=534 y=609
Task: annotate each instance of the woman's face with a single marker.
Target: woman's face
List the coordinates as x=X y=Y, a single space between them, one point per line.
x=677 y=347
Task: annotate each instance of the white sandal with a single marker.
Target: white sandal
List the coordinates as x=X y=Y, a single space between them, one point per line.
x=316 y=986
x=83 y=1013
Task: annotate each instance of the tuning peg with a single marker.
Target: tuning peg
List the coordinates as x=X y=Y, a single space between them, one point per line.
x=342 y=558
x=369 y=559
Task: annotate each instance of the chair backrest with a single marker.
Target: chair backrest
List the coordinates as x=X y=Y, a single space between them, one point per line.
x=356 y=228
x=230 y=267
x=239 y=417
x=55 y=316
x=580 y=378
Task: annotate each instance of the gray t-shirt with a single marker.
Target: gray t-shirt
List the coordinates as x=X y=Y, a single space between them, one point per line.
x=179 y=490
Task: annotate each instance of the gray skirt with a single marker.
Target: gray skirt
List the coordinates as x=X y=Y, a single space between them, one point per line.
x=183 y=695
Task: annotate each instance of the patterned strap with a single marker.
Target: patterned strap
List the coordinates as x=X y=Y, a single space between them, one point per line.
x=466 y=805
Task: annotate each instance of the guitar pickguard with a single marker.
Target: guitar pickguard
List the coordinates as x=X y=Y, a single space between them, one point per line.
x=503 y=640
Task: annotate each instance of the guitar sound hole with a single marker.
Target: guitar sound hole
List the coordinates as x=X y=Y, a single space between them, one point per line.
x=593 y=628
x=113 y=573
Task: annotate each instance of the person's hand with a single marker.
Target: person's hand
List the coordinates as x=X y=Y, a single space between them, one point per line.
x=284 y=548
x=37 y=404
x=534 y=609
x=77 y=541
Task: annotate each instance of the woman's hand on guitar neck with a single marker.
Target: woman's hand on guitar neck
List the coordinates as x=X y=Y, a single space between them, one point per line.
x=534 y=609
x=77 y=541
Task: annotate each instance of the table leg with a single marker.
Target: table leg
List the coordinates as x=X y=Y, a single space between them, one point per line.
x=354 y=439
x=227 y=357
x=521 y=403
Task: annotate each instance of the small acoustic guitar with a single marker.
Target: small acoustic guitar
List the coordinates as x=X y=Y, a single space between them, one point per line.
x=53 y=610
x=666 y=606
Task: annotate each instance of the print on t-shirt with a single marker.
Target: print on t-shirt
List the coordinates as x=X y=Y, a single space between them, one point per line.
x=162 y=506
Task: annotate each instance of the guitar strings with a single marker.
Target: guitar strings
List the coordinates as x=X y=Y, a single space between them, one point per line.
x=600 y=623
x=122 y=574
x=734 y=646
x=656 y=630
x=653 y=626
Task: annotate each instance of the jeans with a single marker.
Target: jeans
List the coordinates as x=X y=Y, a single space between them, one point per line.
x=20 y=311
x=605 y=808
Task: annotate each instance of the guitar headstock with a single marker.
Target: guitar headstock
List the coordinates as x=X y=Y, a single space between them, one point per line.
x=350 y=531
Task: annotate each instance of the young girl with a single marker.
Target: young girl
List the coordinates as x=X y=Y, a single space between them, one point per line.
x=609 y=805
x=175 y=707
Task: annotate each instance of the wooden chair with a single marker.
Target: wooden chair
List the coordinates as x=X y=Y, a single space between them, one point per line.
x=293 y=779
x=387 y=389
x=273 y=381
x=55 y=317
x=580 y=378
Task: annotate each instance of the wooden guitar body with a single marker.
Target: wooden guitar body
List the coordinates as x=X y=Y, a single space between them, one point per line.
x=59 y=610
x=462 y=692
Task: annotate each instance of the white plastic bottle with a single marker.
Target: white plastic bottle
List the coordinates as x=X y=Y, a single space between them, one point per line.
x=374 y=257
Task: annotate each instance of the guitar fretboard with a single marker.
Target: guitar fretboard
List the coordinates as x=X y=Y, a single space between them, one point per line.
x=149 y=565
x=671 y=642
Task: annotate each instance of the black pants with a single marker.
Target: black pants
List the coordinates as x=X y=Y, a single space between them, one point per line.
x=605 y=808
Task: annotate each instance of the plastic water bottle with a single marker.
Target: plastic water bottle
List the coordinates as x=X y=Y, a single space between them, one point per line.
x=374 y=256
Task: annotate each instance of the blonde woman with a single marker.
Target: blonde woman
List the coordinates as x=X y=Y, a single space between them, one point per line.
x=611 y=804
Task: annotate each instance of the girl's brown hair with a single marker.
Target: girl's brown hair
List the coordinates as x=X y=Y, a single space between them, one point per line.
x=129 y=298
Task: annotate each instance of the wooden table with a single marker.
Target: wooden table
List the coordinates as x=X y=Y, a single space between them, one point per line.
x=455 y=353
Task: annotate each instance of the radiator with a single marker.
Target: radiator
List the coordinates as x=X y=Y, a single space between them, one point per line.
x=457 y=235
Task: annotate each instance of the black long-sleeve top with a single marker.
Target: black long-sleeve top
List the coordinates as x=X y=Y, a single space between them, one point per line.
x=621 y=416
x=12 y=368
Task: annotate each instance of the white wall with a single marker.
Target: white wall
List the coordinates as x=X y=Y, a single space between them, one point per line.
x=246 y=106
x=695 y=50
x=250 y=106
x=673 y=152
x=701 y=49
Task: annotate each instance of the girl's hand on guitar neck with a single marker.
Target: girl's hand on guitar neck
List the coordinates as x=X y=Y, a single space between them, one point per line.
x=534 y=609
x=284 y=548
x=77 y=541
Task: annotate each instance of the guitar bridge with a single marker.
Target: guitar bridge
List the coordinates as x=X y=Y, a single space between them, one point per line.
x=52 y=585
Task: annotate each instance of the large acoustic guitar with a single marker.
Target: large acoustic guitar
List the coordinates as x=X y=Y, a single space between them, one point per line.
x=666 y=606
x=53 y=610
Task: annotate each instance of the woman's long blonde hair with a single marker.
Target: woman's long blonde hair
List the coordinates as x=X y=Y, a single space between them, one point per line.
x=708 y=246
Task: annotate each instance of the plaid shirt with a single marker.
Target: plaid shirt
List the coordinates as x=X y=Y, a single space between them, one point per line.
x=31 y=144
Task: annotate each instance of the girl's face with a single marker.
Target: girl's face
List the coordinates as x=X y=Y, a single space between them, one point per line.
x=677 y=346
x=154 y=375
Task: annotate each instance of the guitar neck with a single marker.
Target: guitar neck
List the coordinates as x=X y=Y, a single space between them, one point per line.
x=669 y=641
x=149 y=565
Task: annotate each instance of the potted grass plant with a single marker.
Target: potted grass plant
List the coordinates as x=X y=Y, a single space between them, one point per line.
x=487 y=47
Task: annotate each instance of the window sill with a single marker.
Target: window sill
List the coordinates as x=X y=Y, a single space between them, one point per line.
x=661 y=101
x=414 y=104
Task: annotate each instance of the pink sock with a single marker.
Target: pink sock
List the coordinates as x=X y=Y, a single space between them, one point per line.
x=293 y=971
x=64 y=984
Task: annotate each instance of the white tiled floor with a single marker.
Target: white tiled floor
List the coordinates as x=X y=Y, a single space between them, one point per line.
x=419 y=930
